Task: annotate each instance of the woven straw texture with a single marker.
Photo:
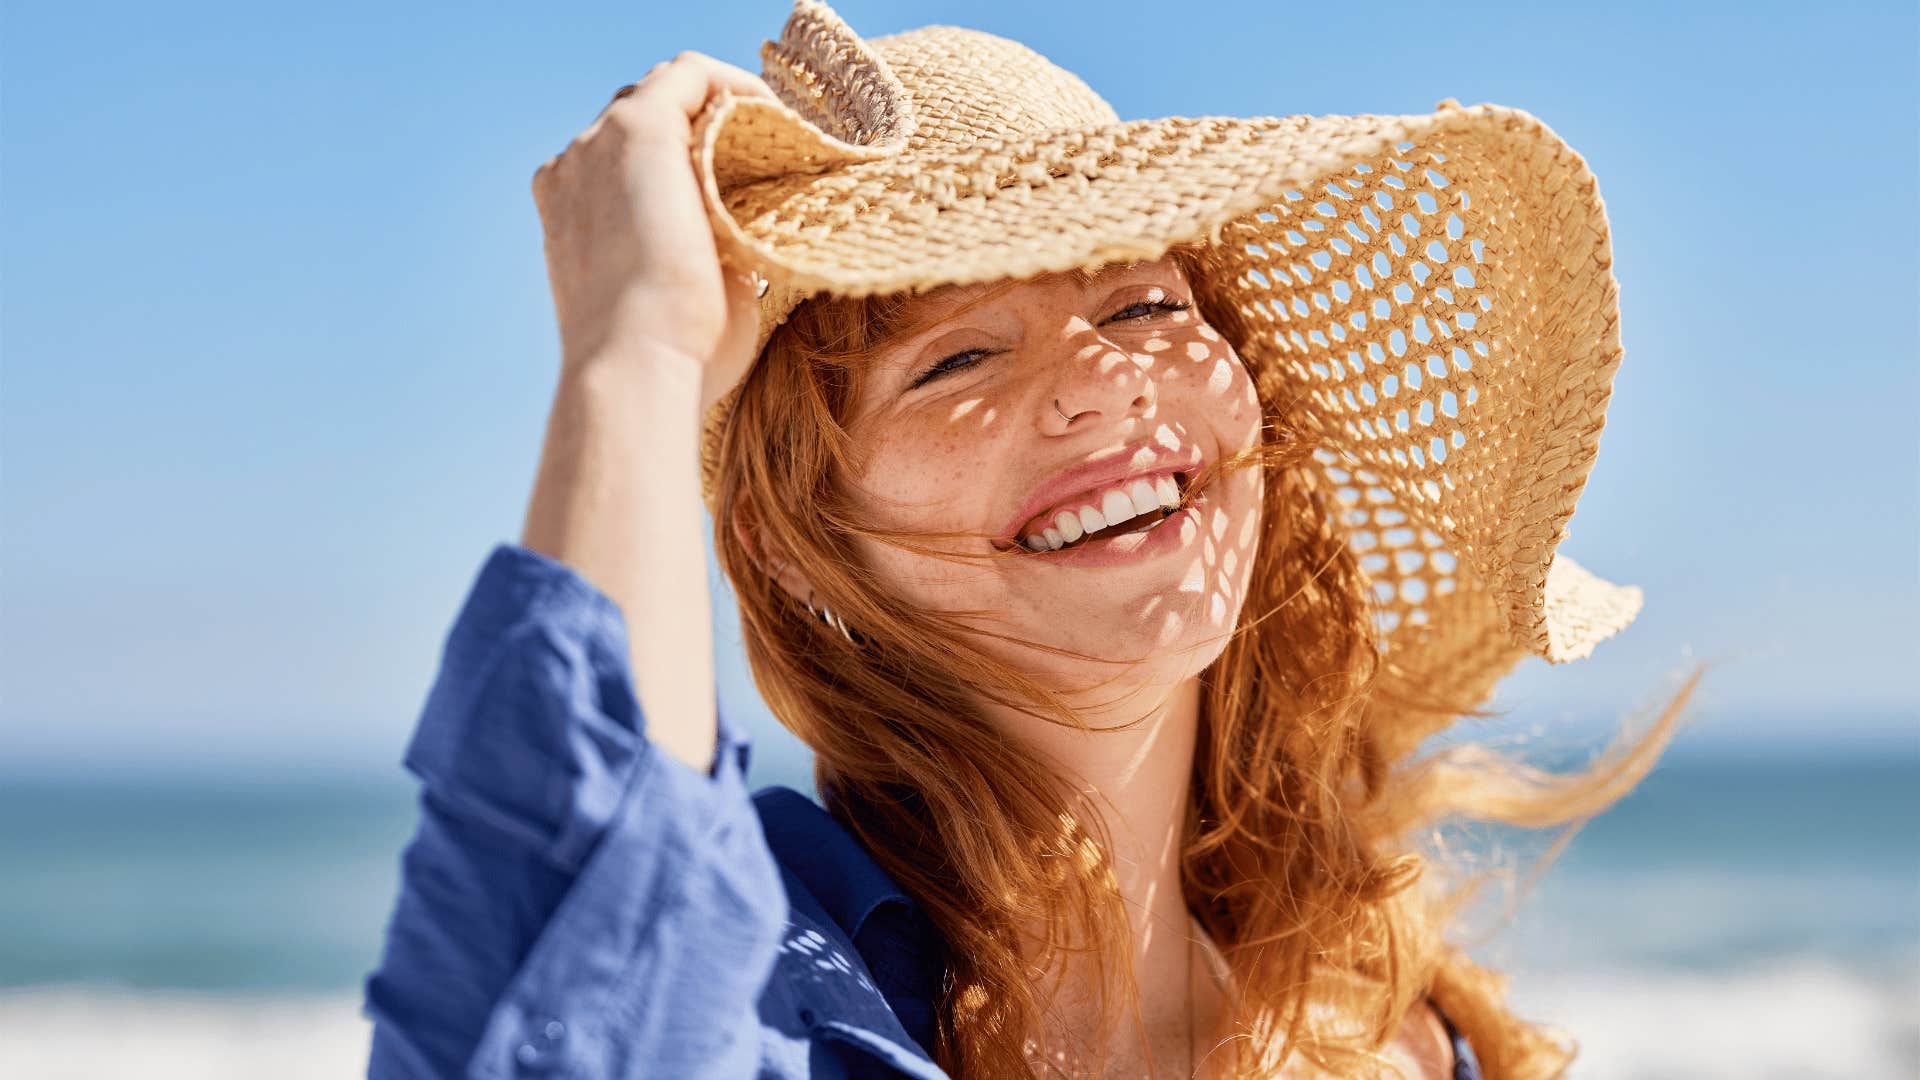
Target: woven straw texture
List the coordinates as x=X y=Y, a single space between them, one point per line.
x=1439 y=285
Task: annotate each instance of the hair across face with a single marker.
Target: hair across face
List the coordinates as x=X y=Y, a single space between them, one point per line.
x=1078 y=410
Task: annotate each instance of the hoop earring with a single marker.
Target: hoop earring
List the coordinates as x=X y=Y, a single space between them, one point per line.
x=826 y=615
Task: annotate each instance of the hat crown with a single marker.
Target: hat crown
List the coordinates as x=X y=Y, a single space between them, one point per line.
x=965 y=86
x=932 y=88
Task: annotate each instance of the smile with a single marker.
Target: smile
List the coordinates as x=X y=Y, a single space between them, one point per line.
x=1134 y=507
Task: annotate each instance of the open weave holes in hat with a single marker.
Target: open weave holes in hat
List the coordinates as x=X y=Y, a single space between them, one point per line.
x=1441 y=285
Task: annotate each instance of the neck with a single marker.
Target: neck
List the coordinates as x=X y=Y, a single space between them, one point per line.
x=1138 y=780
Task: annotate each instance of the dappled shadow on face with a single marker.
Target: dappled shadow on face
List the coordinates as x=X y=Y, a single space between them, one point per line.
x=965 y=428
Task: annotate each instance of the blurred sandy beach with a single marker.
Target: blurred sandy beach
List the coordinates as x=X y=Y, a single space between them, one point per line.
x=1785 y=1020
x=1732 y=918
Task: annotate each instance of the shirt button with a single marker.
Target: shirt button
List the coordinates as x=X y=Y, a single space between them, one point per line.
x=540 y=1047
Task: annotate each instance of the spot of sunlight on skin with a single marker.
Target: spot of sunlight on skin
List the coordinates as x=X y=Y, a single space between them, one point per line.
x=1218 y=526
x=1248 y=530
x=987 y=417
x=1220 y=377
x=1196 y=578
x=1230 y=562
x=1217 y=610
x=1141 y=756
x=1170 y=632
x=1157 y=346
x=1209 y=333
x=1197 y=350
x=964 y=408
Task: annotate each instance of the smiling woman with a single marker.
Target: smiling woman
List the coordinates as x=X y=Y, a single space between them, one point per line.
x=1113 y=508
x=1121 y=701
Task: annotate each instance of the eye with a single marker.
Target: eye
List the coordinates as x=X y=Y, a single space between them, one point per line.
x=1139 y=309
x=1143 y=308
x=949 y=365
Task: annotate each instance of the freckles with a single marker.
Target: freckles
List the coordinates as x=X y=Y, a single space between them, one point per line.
x=1220 y=377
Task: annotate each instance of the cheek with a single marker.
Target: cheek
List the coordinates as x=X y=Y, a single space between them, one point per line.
x=933 y=471
x=929 y=481
x=921 y=479
x=1245 y=412
x=1216 y=376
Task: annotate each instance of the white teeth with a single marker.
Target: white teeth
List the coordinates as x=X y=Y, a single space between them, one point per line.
x=1069 y=525
x=1145 y=499
x=1167 y=492
x=1121 y=504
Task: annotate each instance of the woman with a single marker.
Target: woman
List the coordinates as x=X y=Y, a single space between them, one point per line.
x=1042 y=546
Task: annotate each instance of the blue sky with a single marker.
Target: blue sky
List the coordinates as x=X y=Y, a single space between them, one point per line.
x=277 y=344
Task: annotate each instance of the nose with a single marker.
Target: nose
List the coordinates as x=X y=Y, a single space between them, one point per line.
x=1094 y=380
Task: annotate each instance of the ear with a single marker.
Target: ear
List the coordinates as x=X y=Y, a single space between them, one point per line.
x=767 y=556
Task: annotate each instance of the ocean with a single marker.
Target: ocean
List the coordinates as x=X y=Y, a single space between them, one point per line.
x=1747 y=917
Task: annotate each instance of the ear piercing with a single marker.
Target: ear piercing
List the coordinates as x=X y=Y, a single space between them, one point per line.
x=826 y=615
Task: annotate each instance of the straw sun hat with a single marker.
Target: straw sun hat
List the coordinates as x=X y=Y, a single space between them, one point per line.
x=1440 y=286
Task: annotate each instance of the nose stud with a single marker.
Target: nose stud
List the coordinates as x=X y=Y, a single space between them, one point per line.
x=1063 y=416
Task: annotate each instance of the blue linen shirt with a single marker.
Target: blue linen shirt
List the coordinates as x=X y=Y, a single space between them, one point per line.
x=574 y=902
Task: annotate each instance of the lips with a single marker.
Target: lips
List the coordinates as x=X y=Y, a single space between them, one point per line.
x=1095 y=495
x=1126 y=507
x=1144 y=538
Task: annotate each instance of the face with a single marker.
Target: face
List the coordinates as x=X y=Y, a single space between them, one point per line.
x=1060 y=421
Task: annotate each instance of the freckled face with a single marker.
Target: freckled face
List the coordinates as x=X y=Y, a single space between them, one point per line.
x=969 y=423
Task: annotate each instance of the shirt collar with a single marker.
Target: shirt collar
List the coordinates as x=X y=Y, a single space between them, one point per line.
x=902 y=948
x=826 y=858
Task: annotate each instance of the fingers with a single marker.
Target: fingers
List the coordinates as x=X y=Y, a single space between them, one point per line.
x=688 y=80
x=661 y=106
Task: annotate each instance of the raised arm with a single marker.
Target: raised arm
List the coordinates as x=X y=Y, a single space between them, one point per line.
x=653 y=330
x=589 y=892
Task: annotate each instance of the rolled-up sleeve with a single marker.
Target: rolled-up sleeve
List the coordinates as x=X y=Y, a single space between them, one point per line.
x=574 y=901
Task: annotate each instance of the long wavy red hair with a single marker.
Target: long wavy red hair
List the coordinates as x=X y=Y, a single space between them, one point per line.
x=1311 y=851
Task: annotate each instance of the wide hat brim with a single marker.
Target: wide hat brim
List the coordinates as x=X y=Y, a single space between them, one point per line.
x=1436 y=289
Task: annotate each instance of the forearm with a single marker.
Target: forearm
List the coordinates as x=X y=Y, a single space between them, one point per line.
x=617 y=498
